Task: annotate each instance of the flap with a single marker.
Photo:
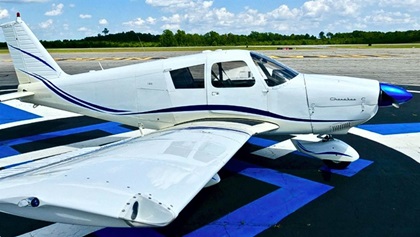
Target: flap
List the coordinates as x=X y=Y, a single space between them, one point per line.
x=144 y=181
x=15 y=95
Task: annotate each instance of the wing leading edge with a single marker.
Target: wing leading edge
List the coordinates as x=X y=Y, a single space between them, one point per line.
x=145 y=181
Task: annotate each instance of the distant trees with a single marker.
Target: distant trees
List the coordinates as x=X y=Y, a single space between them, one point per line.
x=212 y=38
x=105 y=31
x=329 y=35
x=181 y=38
x=168 y=39
x=376 y=37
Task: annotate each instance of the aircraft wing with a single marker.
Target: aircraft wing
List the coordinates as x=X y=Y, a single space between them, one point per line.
x=144 y=181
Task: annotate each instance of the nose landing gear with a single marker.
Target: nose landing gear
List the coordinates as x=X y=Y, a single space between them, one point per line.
x=335 y=153
x=337 y=165
x=333 y=164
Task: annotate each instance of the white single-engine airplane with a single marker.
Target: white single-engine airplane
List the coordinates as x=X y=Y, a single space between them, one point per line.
x=204 y=107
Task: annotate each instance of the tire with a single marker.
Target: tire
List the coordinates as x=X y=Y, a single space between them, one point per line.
x=338 y=165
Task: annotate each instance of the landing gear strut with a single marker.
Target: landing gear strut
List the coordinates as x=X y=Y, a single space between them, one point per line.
x=326 y=137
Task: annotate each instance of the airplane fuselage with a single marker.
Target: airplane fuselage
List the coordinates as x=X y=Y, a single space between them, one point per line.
x=226 y=85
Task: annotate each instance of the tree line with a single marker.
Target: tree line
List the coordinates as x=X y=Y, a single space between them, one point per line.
x=212 y=38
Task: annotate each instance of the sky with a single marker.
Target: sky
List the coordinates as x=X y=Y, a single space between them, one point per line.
x=76 y=19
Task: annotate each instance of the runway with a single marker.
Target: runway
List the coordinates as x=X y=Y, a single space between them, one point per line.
x=292 y=195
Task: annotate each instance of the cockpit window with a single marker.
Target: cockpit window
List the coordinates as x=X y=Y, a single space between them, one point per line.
x=232 y=74
x=273 y=72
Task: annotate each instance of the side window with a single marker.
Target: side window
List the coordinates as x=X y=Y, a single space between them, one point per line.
x=231 y=74
x=188 y=77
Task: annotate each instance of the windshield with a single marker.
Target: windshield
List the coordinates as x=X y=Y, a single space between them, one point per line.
x=273 y=72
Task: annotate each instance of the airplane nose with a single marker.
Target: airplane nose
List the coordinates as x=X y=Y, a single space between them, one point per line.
x=392 y=95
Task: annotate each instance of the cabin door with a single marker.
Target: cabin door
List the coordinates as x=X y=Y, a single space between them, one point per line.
x=233 y=89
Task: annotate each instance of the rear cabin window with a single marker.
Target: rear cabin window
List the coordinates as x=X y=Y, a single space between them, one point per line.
x=188 y=77
x=231 y=74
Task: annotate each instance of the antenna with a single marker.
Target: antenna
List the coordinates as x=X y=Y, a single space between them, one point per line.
x=18 y=19
x=91 y=50
x=141 y=43
x=100 y=65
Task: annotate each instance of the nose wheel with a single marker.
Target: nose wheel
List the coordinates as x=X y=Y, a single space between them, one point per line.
x=338 y=165
x=333 y=164
x=335 y=153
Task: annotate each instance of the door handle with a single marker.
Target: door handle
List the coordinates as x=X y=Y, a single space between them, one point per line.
x=214 y=93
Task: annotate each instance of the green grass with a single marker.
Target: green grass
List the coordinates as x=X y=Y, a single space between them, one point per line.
x=158 y=49
x=152 y=49
x=201 y=48
x=378 y=46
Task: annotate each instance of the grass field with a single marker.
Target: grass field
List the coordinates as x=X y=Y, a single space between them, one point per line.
x=152 y=49
x=201 y=48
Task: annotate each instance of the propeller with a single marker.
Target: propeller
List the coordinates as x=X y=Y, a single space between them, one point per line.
x=392 y=95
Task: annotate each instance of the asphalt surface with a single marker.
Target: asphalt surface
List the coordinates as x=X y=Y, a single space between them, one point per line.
x=380 y=198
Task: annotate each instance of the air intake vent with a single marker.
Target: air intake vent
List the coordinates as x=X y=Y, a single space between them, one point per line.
x=340 y=127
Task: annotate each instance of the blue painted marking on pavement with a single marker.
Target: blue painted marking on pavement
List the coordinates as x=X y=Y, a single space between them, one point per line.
x=6 y=151
x=262 y=142
x=114 y=128
x=10 y=114
x=110 y=127
x=262 y=213
x=390 y=129
x=354 y=168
